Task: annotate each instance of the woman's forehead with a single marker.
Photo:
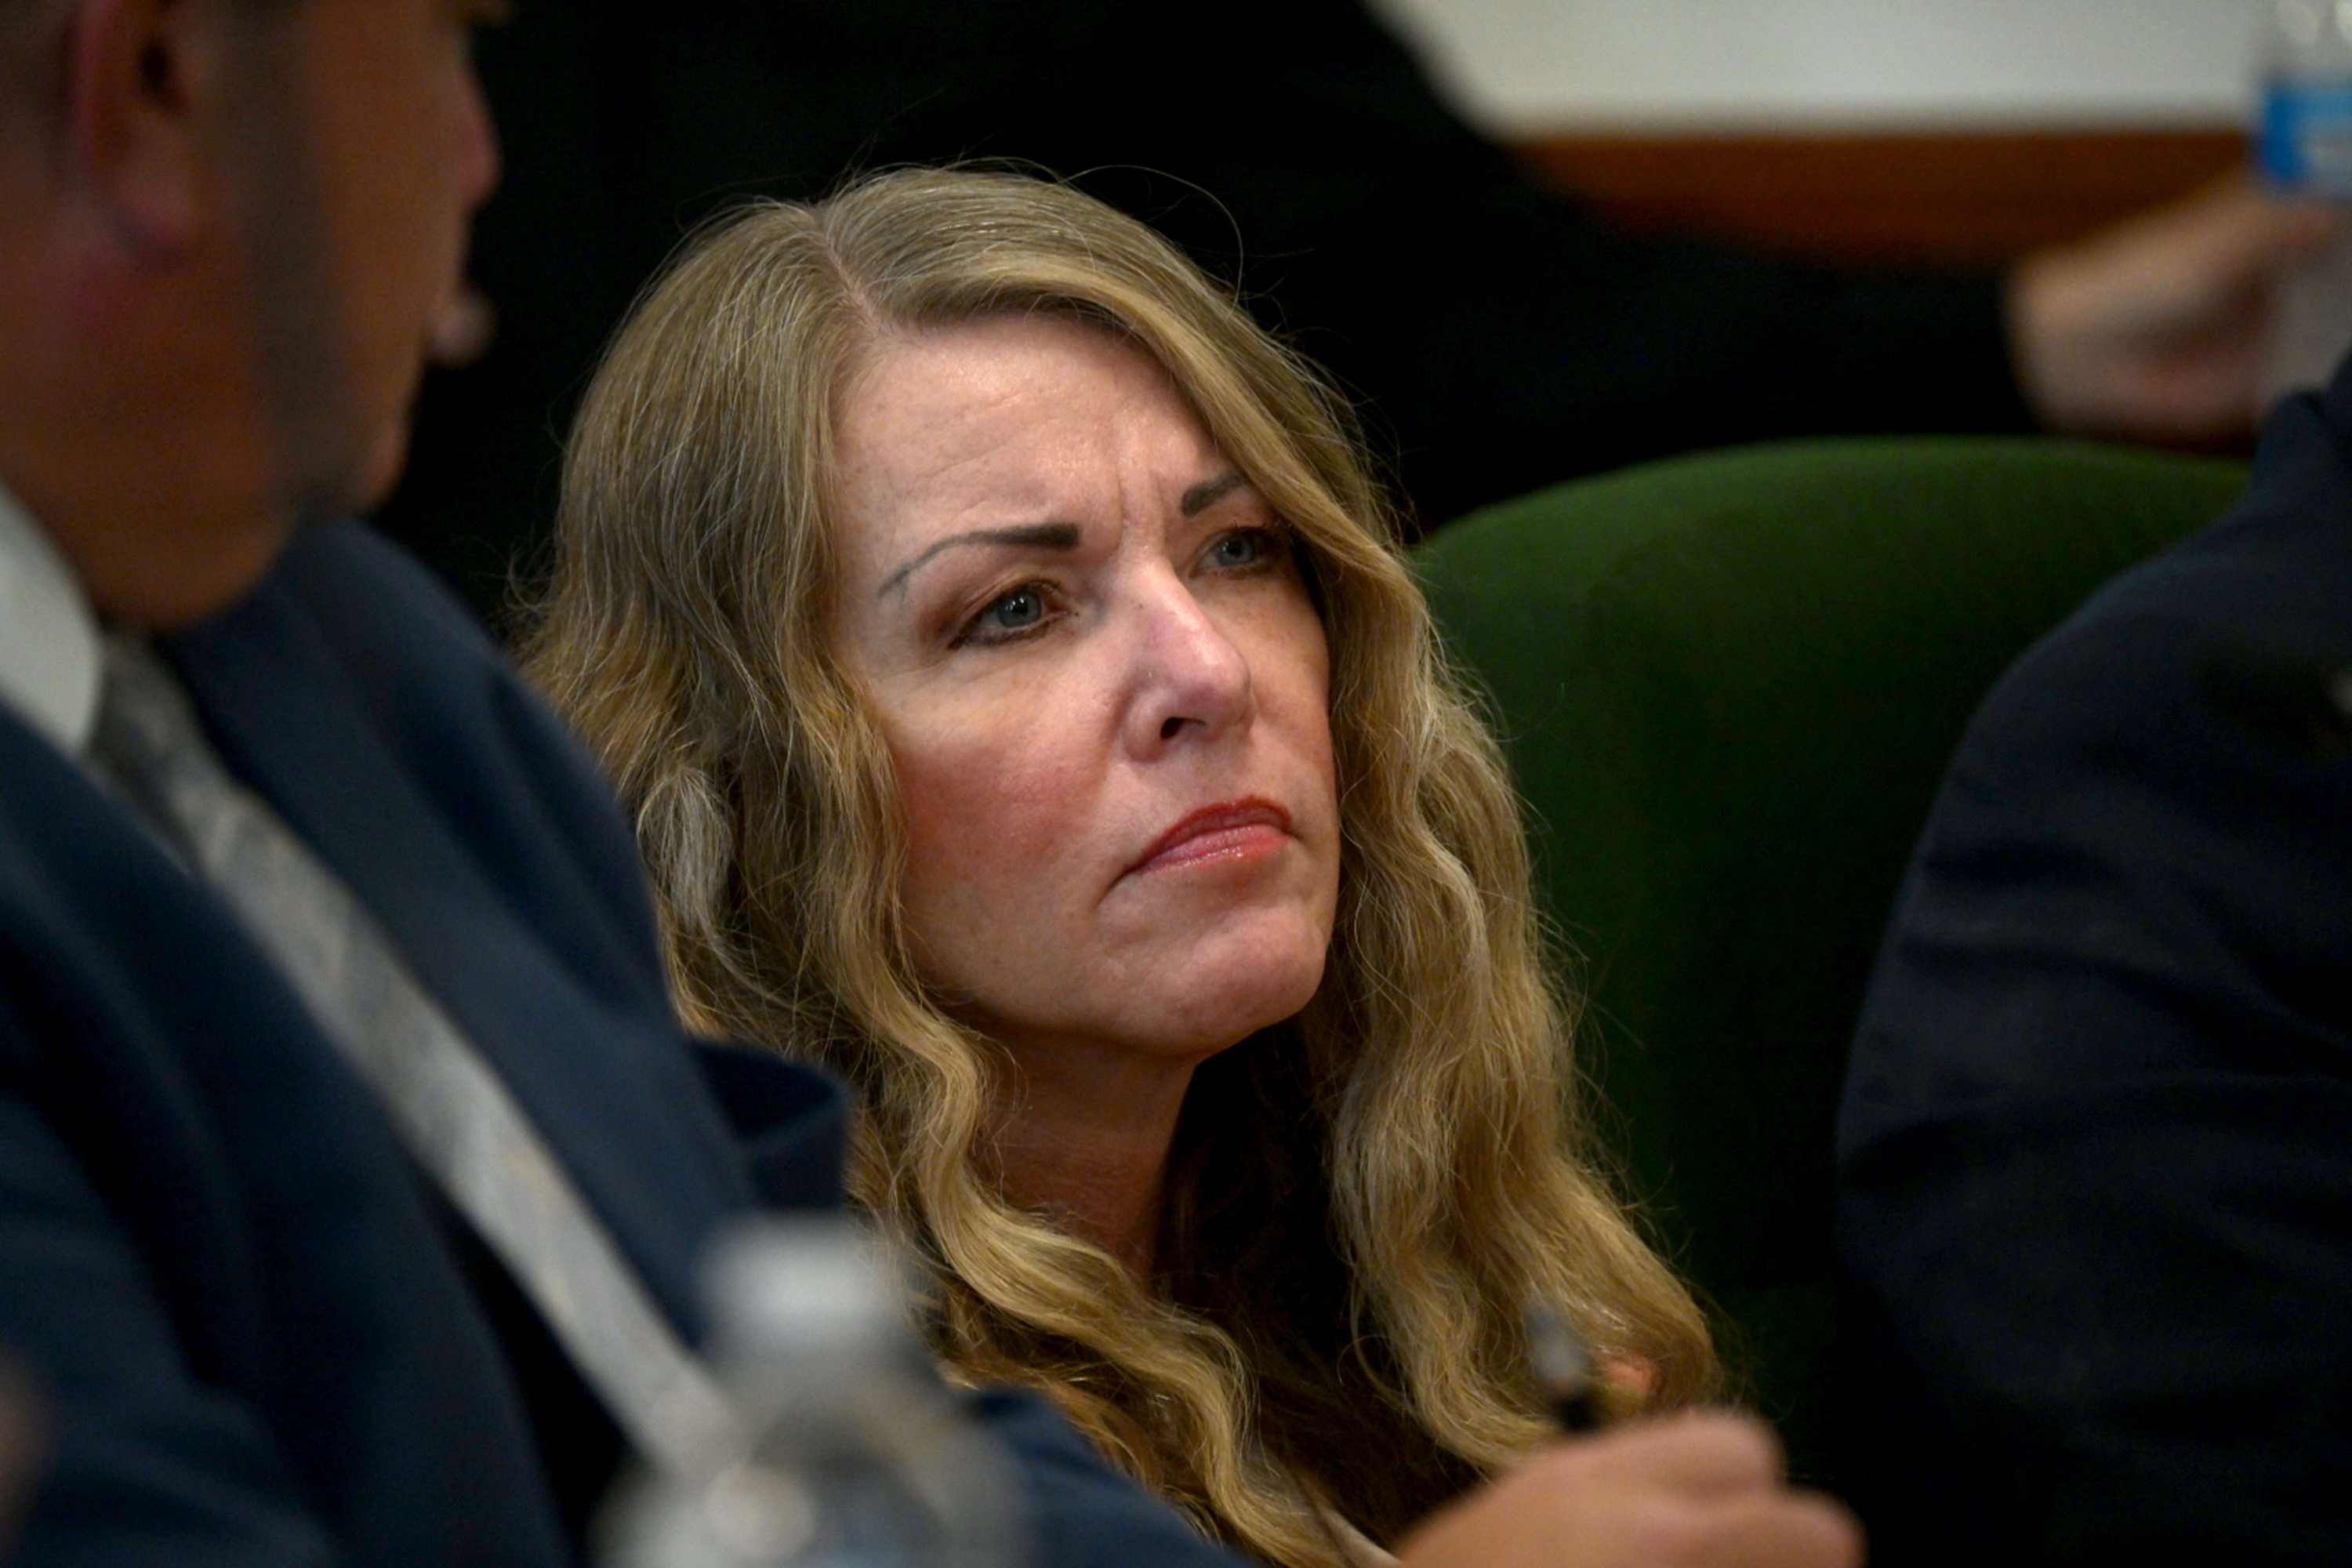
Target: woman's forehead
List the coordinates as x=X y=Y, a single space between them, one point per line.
x=990 y=422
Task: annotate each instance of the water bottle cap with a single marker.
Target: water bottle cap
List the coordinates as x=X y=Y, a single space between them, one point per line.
x=804 y=1283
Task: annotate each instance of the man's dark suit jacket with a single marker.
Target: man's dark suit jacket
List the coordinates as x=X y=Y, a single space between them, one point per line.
x=266 y=1340
x=2096 y=1145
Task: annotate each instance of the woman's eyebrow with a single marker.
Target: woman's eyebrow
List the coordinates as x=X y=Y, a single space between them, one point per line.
x=1209 y=492
x=1031 y=536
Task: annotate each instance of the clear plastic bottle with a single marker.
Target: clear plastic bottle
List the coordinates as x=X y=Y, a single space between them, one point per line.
x=2305 y=147
x=854 y=1456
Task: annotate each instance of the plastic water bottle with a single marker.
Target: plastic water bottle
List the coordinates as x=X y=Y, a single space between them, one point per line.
x=2305 y=147
x=854 y=1455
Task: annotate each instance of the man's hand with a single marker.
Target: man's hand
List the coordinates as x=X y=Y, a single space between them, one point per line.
x=2156 y=329
x=1689 y=1491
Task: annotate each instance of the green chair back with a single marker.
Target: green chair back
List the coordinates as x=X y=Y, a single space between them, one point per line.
x=1729 y=685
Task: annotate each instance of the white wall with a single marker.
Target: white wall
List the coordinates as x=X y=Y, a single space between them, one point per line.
x=1532 y=66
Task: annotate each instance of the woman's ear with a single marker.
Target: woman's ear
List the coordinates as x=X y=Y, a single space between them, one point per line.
x=141 y=117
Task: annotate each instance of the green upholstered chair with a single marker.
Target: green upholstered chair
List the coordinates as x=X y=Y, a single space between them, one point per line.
x=1729 y=685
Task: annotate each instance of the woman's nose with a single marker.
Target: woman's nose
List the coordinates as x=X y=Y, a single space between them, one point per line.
x=1190 y=677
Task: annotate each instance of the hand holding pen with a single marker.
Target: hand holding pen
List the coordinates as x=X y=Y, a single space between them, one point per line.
x=1701 y=1489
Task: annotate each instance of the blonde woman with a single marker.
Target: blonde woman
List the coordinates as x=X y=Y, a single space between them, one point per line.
x=1026 y=713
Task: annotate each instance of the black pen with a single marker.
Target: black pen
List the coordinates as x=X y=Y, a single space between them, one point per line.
x=1562 y=1369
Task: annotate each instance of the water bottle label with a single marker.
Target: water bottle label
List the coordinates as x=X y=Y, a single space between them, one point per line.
x=2306 y=143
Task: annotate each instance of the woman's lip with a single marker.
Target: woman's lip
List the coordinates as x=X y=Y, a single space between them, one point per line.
x=1232 y=817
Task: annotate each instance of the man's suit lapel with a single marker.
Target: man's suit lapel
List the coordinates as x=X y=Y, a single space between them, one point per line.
x=262 y=1197
x=598 y=1066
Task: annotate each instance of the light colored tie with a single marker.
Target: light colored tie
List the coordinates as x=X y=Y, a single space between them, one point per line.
x=458 y=1117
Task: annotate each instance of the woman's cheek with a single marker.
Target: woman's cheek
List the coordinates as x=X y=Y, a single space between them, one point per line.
x=999 y=816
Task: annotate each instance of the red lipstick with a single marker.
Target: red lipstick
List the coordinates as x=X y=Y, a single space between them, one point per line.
x=1229 y=829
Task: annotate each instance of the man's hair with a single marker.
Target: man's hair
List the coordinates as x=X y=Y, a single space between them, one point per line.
x=1362 y=1199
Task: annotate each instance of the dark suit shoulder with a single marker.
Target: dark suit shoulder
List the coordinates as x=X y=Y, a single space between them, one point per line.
x=2141 y=860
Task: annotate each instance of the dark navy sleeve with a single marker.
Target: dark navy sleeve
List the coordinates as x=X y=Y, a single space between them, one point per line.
x=2096 y=1156
x=1084 y=1515
x=146 y=1465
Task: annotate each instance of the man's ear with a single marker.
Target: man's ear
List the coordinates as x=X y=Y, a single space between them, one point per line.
x=140 y=126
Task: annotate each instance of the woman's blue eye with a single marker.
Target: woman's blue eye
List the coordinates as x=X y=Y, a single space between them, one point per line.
x=1244 y=548
x=1021 y=608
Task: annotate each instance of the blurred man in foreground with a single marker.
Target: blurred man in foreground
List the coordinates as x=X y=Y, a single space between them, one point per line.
x=317 y=938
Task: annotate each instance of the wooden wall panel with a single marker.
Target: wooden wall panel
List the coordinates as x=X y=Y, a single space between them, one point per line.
x=1958 y=198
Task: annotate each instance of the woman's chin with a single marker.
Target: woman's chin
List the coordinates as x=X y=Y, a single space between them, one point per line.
x=1220 y=996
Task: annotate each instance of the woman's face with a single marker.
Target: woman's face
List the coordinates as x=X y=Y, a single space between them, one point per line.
x=1104 y=686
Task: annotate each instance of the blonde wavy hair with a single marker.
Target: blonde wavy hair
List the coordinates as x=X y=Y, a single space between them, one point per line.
x=1361 y=1200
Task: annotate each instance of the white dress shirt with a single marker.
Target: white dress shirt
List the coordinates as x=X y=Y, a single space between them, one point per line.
x=50 y=657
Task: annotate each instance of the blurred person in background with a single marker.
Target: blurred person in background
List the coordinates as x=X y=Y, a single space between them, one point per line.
x=958 y=530
x=284 y=845
x=1498 y=337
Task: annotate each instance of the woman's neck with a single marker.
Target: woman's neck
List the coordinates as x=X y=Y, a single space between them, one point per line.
x=1083 y=1134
